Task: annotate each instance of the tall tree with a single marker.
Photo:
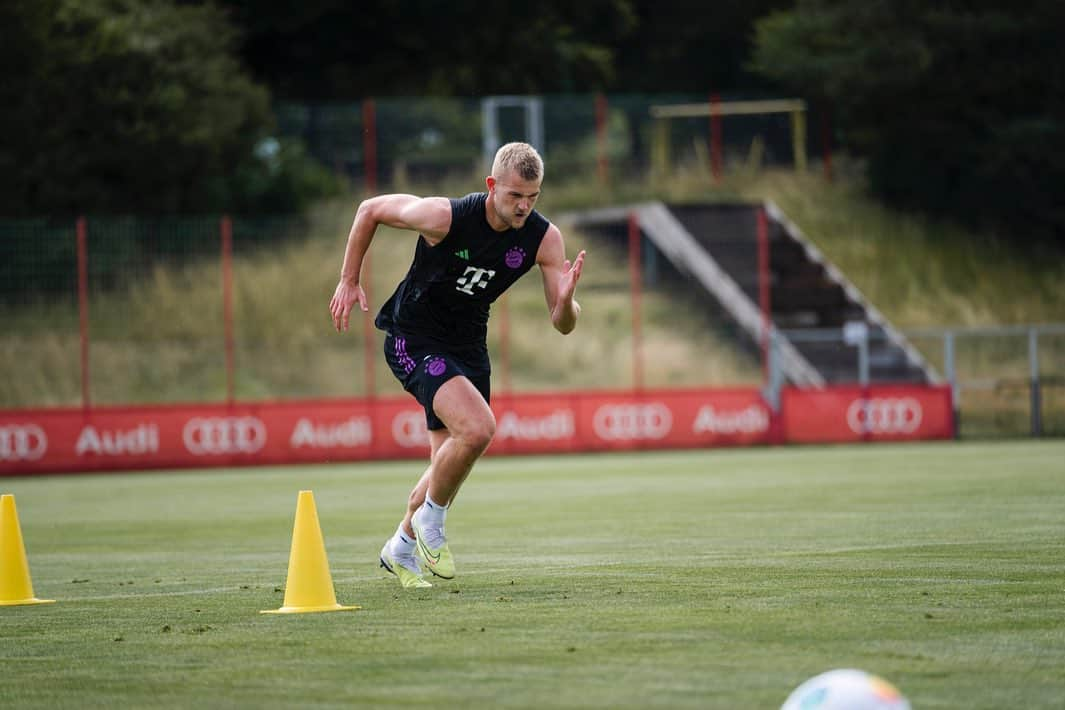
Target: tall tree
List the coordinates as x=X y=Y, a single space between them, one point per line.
x=960 y=107
x=331 y=49
x=122 y=106
x=684 y=46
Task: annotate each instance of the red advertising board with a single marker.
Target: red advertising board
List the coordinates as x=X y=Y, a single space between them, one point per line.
x=652 y=419
x=172 y=436
x=209 y=435
x=875 y=413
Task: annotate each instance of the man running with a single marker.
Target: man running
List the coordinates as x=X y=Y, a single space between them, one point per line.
x=469 y=251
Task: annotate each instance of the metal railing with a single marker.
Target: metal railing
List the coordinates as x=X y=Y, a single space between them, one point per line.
x=1005 y=380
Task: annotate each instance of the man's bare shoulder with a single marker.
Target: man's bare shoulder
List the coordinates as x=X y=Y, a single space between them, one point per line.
x=430 y=216
x=552 y=251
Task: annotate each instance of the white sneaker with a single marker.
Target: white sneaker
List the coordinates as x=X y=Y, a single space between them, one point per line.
x=432 y=547
x=405 y=567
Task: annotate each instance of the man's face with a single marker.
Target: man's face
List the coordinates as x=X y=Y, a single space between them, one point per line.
x=513 y=198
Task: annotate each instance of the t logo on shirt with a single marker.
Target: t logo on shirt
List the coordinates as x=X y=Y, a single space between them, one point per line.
x=474 y=276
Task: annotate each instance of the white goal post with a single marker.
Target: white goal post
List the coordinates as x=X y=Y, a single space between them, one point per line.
x=662 y=114
x=533 y=109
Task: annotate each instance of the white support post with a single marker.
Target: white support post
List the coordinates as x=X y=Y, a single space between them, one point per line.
x=948 y=369
x=533 y=106
x=857 y=333
x=771 y=394
x=1034 y=384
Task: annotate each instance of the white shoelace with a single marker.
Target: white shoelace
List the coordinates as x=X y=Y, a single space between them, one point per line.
x=434 y=537
x=410 y=562
x=434 y=534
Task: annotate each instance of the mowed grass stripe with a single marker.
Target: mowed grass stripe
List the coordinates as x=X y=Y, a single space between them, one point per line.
x=715 y=579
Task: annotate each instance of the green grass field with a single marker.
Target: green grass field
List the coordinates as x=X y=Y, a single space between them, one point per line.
x=709 y=579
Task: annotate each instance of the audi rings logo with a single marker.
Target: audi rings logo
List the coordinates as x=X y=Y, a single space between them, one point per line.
x=408 y=429
x=22 y=442
x=214 y=436
x=632 y=421
x=887 y=415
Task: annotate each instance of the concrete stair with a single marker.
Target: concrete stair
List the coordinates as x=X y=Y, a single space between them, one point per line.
x=716 y=247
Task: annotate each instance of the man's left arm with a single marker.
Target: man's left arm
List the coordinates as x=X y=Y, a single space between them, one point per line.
x=560 y=280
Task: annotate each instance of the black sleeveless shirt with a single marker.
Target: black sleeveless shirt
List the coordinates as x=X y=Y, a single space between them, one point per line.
x=449 y=288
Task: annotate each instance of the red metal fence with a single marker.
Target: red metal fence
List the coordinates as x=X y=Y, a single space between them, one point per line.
x=234 y=430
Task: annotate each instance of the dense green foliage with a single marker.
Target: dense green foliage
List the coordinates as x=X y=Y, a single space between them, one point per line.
x=338 y=51
x=699 y=579
x=127 y=106
x=145 y=105
x=350 y=50
x=960 y=109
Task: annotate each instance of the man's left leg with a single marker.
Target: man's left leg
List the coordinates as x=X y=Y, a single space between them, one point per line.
x=470 y=428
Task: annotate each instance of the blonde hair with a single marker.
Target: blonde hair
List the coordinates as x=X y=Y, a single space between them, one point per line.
x=522 y=158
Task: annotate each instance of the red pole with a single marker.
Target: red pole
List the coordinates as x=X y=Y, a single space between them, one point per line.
x=83 y=309
x=368 y=346
x=504 y=342
x=634 y=281
x=369 y=144
x=763 y=288
x=227 y=301
x=826 y=141
x=600 y=134
x=715 y=137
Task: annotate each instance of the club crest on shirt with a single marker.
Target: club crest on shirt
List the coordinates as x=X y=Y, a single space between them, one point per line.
x=435 y=366
x=515 y=257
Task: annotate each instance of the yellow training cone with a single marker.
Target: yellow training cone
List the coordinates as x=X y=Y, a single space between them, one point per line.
x=309 y=586
x=15 y=585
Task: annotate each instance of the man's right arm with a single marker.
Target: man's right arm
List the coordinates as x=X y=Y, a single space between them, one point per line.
x=430 y=216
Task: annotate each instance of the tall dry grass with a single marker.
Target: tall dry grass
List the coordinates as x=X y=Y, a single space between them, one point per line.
x=161 y=338
x=917 y=270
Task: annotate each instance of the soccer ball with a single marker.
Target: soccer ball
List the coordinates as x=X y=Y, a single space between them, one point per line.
x=846 y=689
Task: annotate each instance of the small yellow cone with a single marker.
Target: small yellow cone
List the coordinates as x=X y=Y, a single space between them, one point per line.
x=309 y=586
x=15 y=585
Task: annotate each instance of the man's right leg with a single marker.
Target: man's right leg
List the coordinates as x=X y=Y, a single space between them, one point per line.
x=400 y=548
x=417 y=496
